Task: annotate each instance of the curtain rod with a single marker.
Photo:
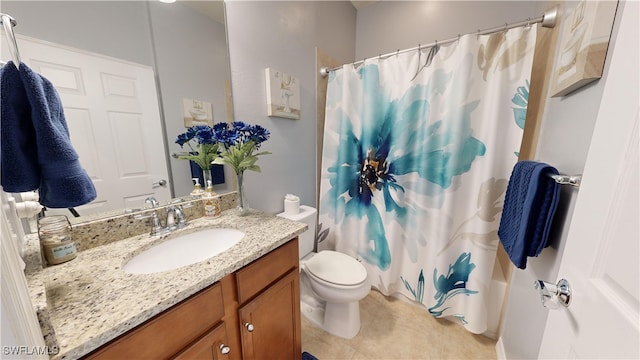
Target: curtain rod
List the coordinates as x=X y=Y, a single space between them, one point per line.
x=548 y=20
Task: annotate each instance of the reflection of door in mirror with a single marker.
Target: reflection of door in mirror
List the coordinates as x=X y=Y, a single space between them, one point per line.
x=106 y=114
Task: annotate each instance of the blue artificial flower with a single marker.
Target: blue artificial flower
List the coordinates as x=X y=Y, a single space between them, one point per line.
x=204 y=134
x=258 y=135
x=240 y=126
x=183 y=139
x=225 y=143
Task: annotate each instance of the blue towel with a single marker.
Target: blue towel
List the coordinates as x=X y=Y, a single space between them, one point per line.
x=36 y=148
x=529 y=205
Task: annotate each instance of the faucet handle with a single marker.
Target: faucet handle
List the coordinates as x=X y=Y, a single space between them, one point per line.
x=156 y=226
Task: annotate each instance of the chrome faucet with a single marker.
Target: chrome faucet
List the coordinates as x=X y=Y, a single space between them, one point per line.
x=175 y=218
x=152 y=201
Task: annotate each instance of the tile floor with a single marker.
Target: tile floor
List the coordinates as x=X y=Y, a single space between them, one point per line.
x=395 y=329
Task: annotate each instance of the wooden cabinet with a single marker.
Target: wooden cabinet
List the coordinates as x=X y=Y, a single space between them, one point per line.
x=213 y=345
x=253 y=313
x=269 y=305
x=169 y=332
x=270 y=323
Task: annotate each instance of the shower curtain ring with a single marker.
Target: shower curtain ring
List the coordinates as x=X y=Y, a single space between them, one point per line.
x=506 y=25
x=478 y=35
x=528 y=22
x=459 y=37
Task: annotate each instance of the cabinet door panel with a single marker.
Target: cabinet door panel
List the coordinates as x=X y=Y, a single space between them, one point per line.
x=275 y=316
x=170 y=331
x=210 y=346
x=262 y=272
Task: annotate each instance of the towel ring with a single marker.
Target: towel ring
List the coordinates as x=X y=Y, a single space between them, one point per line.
x=8 y=22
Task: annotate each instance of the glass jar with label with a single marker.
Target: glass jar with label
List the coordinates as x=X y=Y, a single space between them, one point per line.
x=56 y=241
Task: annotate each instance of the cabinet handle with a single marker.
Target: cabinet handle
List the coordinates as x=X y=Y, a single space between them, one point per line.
x=224 y=349
x=249 y=326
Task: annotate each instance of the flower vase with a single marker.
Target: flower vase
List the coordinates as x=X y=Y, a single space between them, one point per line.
x=243 y=205
x=206 y=177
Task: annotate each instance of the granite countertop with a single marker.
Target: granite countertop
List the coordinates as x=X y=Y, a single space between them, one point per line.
x=88 y=301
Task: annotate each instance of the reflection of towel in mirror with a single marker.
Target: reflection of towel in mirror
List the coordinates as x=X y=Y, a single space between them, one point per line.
x=529 y=205
x=36 y=148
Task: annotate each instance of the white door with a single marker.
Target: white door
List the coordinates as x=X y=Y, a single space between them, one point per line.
x=601 y=255
x=111 y=108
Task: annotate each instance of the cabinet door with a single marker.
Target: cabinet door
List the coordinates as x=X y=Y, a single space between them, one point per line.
x=177 y=327
x=270 y=323
x=213 y=345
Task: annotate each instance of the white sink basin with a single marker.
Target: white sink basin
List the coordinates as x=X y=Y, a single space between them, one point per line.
x=183 y=250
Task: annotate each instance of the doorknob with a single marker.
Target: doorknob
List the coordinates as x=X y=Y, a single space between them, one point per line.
x=553 y=294
x=161 y=182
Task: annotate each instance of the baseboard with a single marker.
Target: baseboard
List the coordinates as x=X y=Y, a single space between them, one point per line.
x=500 y=353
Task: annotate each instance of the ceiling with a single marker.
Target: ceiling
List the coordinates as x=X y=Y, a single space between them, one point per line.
x=215 y=8
x=359 y=4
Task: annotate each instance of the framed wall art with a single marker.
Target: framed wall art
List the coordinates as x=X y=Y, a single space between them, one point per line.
x=197 y=112
x=283 y=94
x=584 y=38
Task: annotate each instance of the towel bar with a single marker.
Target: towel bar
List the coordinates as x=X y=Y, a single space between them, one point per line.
x=573 y=180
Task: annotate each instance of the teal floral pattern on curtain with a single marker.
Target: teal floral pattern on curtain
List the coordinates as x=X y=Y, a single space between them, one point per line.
x=408 y=149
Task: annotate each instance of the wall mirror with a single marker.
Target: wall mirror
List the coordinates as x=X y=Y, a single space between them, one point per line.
x=147 y=57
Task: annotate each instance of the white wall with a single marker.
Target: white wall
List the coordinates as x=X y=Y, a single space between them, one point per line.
x=387 y=26
x=283 y=36
x=564 y=142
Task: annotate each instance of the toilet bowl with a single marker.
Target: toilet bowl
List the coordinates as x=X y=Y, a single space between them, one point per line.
x=339 y=282
x=331 y=283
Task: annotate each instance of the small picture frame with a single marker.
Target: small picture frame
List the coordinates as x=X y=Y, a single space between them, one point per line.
x=283 y=94
x=584 y=39
x=197 y=112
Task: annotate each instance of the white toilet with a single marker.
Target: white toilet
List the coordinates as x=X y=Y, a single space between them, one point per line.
x=331 y=283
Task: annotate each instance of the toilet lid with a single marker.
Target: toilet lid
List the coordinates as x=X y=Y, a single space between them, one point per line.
x=336 y=268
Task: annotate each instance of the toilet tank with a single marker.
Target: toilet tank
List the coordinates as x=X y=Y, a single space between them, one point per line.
x=307 y=239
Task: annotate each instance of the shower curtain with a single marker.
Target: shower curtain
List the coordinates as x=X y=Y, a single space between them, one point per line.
x=418 y=148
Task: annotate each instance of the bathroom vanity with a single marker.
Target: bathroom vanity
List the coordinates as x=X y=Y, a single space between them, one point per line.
x=250 y=314
x=241 y=304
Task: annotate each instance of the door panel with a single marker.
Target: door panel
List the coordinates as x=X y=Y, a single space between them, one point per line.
x=113 y=127
x=273 y=316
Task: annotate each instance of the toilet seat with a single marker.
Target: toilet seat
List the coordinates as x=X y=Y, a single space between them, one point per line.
x=336 y=268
